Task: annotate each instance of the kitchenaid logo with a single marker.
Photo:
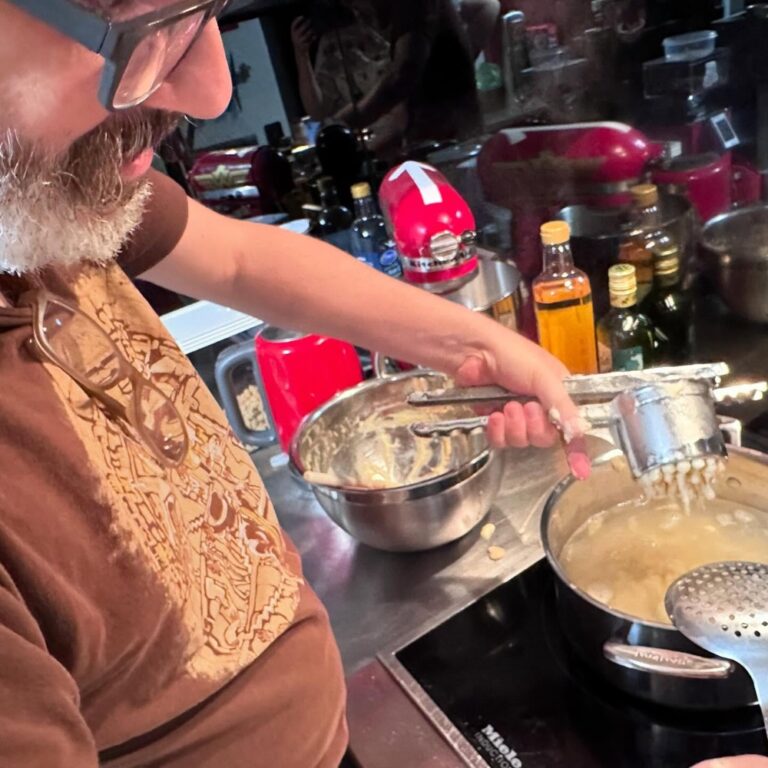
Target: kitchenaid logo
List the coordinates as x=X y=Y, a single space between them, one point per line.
x=499 y=753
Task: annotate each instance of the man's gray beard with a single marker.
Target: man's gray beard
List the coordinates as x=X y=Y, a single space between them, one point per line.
x=62 y=211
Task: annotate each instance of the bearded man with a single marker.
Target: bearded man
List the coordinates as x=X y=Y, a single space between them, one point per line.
x=152 y=613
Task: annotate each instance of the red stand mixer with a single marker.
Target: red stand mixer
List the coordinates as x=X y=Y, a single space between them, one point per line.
x=432 y=225
x=434 y=230
x=535 y=171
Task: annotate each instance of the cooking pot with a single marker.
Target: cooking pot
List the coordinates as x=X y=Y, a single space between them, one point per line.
x=647 y=659
x=734 y=255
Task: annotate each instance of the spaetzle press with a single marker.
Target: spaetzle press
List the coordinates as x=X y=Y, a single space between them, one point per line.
x=658 y=417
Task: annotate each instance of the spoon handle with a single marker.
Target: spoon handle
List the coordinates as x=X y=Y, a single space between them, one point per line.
x=758 y=671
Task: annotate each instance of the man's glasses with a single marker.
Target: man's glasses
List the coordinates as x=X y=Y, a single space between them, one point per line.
x=68 y=338
x=140 y=53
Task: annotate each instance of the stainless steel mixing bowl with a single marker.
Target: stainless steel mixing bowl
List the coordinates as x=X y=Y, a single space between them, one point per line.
x=734 y=255
x=413 y=517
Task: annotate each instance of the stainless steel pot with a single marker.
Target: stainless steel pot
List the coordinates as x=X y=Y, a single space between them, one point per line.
x=647 y=659
x=409 y=518
x=734 y=255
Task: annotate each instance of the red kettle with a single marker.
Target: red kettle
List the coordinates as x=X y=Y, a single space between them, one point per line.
x=295 y=373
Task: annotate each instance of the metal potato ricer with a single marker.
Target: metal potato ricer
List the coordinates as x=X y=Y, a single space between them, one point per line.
x=659 y=417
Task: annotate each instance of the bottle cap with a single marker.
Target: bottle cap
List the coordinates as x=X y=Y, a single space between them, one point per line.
x=361 y=190
x=622 y=279
x=555 y=233
x=645 y=194
x=666 y=260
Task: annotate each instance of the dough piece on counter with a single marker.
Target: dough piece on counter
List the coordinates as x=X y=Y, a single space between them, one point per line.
x=487 y=531
x=496 y=553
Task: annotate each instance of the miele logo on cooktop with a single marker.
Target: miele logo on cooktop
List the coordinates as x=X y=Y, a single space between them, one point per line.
x=496 y=749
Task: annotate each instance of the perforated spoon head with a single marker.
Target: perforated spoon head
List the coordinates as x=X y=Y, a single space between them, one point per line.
x=723 y=607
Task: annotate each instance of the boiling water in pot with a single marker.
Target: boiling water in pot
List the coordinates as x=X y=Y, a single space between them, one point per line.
x=628 y=555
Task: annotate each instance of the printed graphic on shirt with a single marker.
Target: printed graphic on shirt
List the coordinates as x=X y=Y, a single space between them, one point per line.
x=207 y=529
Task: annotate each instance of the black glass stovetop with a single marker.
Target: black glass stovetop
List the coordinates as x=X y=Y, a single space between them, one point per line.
x=503 y=674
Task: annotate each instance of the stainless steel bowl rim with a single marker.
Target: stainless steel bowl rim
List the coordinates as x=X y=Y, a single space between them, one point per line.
x=727 y=254
x=403 y=492
x=729 y=260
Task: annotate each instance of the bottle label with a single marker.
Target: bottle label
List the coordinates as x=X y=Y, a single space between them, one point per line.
x=630 y=359
x=604 y=358
x=389 y=263
x=623 y=300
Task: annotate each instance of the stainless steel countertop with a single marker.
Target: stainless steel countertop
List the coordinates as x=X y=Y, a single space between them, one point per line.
x=379 y=600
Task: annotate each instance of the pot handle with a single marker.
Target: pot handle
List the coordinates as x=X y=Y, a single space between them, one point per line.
x=731 y=429
x=663 y=662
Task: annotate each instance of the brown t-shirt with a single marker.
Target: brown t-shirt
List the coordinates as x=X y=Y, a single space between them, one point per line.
x=148 y=616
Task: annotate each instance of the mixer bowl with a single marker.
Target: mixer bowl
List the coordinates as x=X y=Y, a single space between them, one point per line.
x=734 y=255
x=413 y=517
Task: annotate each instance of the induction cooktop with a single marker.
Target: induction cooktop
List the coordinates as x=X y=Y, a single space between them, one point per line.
x=501 y=683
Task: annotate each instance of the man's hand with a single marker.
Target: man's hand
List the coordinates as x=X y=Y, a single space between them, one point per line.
x=745 y=761
x=534 y=372
x=302 y=35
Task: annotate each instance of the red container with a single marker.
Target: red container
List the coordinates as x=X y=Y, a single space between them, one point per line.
x=300 y=372
x=706 y=180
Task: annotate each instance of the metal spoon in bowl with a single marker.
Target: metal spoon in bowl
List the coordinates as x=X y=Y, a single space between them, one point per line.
x=331 y=480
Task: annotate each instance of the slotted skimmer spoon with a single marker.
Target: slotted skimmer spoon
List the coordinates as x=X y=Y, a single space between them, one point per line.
x=723 y=607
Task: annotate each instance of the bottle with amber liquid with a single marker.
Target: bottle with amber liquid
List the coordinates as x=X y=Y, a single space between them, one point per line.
x=648 y=235
x=563 y=303
x=624 y=336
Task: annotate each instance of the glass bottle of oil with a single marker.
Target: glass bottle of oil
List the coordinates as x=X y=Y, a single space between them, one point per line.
x=624 y=336
x=668 y=307
x=563 y=303
x=648 y=235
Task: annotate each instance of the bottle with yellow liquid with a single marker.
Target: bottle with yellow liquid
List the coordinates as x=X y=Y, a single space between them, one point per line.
x=563 y=302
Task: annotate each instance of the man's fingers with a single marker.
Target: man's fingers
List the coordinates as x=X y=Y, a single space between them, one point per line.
x=495 y=430
x=515 y=429
x=578 y=458
x=472 y=373
x=560 y=408
x=541 y=432
x=550 y=390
